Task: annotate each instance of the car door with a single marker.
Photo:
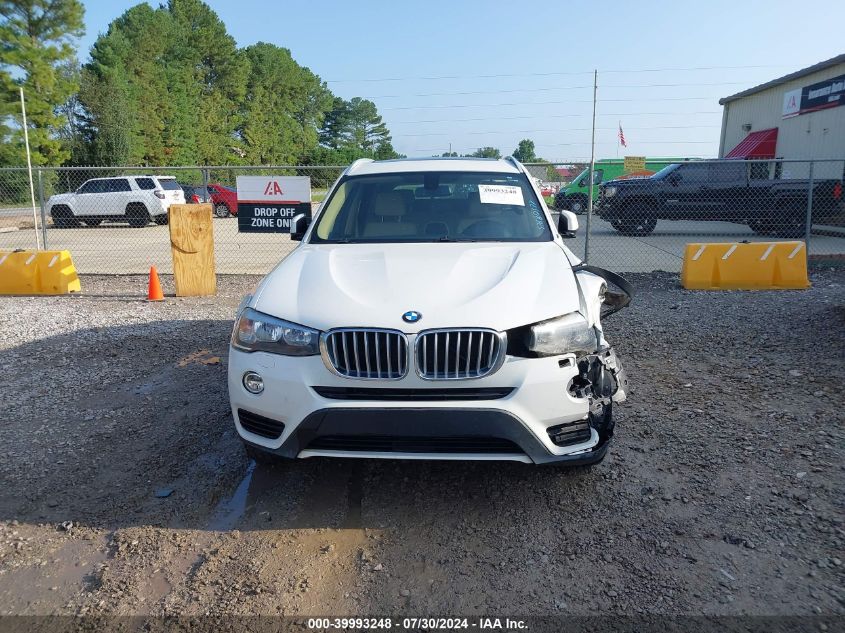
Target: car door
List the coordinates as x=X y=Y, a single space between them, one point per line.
x=118 y=197
x=685 y=194
x=87 y=197
x=723 y=195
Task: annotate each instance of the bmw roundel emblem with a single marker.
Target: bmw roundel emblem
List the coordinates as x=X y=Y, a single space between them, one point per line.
x=411 y=316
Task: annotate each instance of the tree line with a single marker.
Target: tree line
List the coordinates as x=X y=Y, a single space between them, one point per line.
x=168 y=86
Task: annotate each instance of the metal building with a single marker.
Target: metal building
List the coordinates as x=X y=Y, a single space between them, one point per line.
x=797 y=116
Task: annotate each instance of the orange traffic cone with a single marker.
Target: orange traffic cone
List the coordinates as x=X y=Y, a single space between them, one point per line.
x=154 y=292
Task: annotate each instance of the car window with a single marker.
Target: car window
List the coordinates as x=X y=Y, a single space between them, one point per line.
x=92 y=186
x=693 y=173
x=169 y=184
x=116 y=185
x=727 y=172
x=145 y=183
x=432 y=207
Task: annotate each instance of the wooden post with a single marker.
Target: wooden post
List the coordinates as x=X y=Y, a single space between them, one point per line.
x=192 y=245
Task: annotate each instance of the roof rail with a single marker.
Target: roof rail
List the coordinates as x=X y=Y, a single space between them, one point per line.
x=519 y=166
x=356 y=164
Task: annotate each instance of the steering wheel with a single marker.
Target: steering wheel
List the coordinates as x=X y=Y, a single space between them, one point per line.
x=486 y=228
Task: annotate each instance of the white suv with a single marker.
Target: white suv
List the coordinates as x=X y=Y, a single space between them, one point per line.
x=132 y=199
x=432 y=311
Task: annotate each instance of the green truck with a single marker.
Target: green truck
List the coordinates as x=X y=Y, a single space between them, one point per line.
x=574 y=196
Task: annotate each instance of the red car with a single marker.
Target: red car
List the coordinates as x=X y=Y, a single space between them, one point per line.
x=224 y=199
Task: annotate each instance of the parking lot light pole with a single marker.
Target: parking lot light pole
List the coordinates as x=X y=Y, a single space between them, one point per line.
x=592 y=170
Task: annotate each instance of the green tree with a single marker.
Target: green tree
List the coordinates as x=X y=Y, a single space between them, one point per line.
x=285 y=105
x=357 y=125
x=36 y=41
x=207 y=57
x=524 y=153
x=486 y=152
x=178 y=83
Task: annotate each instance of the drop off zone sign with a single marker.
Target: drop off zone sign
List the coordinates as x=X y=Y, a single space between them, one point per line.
x=266 y=204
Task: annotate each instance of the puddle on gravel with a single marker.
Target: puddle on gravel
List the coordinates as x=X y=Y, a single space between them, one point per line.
x=72 y=569
x=229 y=511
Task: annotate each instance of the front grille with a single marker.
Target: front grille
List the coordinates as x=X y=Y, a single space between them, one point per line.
x=402 y=444
x=258 y=424
x=570 y=433
x=459 y=354
x=366 y=353
x=365 y=393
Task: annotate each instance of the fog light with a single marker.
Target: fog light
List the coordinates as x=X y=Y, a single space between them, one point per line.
x=253 y=382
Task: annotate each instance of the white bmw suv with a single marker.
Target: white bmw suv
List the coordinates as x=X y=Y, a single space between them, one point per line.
x=432 y=311
x=133 y=199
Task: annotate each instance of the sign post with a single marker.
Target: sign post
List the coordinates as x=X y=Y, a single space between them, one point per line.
x=266 y=204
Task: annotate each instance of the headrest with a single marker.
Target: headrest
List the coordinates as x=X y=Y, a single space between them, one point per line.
x=390 y=204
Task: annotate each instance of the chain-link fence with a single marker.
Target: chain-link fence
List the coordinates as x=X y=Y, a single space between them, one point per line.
x=112 y=219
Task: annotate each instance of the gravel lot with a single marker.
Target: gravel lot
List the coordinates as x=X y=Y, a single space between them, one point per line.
x=125 y=490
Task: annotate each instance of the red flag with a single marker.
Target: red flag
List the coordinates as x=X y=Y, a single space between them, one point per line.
x=622 y=137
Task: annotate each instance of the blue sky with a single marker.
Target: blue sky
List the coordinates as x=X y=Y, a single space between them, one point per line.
x=474 y=73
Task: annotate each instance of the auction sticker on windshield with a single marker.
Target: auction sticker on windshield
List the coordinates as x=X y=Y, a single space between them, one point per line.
x=501 y=194
x=266 y=204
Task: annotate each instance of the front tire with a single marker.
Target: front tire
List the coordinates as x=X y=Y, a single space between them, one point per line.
x=221 y=210
x=578 y=205
x=63 y=217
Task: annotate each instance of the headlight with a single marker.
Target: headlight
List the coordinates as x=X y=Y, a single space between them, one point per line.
x=609 y=192
x=561 y=335
x=257 y=332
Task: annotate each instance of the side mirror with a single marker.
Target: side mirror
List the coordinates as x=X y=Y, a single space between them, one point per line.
x=567 y=224
x=298 y=225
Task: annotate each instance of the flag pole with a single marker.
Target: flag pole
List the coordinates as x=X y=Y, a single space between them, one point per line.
x=29 y=169
x=617 y=139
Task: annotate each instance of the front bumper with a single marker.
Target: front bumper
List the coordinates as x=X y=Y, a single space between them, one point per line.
x=312 y=423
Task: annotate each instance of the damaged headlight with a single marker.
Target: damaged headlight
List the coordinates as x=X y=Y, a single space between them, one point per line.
x=257 y=332
x=561 y=335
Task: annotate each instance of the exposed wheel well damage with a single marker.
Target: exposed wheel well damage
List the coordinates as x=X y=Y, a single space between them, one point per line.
x=601 y=378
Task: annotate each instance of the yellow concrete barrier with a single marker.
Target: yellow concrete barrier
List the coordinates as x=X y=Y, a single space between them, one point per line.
x=37 y=273
x=745 y=266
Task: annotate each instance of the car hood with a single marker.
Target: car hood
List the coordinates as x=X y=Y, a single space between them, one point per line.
x=60 y=197
x=499 y=285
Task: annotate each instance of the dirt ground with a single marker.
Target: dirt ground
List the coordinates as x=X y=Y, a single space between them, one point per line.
x=125 y=489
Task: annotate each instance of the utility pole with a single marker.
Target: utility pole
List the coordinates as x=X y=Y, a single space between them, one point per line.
x=592 y=171
x=29 y=168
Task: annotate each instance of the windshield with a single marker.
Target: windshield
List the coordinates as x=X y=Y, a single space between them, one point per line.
x=665 y=171
x=576 y=182
x=432 y=207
